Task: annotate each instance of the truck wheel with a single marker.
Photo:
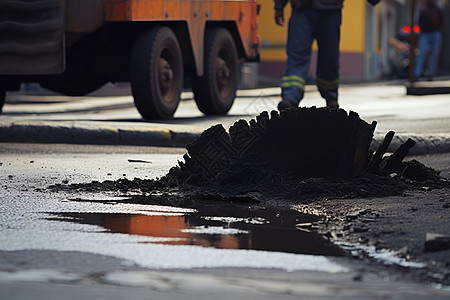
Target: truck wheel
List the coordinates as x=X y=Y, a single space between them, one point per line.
x=156 y=73
x=215 y=91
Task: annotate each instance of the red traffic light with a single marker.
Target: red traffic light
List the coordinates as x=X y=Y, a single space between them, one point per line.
x=407 y=29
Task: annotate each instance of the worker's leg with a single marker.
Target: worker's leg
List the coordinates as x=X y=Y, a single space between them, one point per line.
x=419 y=62
x=327 y=75
x=298 y=50
x=435 y=44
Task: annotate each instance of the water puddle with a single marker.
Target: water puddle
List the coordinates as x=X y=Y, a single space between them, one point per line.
x=220 y=226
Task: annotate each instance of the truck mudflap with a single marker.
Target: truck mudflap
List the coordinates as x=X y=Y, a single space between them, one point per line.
x=31 y=37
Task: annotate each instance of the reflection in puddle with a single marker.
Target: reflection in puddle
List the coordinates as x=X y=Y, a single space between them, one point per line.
x=177 y=226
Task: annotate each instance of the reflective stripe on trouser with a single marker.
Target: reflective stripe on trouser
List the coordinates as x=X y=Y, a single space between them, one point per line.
x=292 y=81
x=328 y=89
x=305 y=25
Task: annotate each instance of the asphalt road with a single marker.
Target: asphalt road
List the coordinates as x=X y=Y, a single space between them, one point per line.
x=109 y=117
x=72 y=268
x=45 y=259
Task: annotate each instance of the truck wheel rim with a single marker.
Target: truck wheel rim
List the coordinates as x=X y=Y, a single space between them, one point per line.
x=166 y=75
x=223 y=74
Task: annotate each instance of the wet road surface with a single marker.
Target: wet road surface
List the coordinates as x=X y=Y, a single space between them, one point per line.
x=100 y=246
x=89 y=222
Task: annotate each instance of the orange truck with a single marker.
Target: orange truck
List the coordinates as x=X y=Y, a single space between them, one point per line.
x=74 y=47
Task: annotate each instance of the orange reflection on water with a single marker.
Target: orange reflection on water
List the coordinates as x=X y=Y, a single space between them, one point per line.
x=171 y=226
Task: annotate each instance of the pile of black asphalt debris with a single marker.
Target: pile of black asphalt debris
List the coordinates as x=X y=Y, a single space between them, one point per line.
x=299 y=155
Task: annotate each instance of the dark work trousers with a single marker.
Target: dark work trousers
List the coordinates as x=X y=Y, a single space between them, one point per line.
x=305 y=25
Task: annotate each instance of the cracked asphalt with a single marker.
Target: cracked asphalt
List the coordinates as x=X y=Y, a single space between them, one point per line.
x=108 y=117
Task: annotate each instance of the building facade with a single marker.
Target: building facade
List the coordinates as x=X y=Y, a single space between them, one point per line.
x=365 y=50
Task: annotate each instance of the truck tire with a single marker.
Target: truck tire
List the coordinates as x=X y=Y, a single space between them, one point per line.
x=156 y=73
x=215 y=91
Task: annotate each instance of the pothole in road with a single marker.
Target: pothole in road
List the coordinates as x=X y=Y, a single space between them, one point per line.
x=222 y=226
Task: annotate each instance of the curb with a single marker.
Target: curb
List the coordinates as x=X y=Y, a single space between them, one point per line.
x=425 y=144
x=101 y=135
x=46 y=132
x=422 y=88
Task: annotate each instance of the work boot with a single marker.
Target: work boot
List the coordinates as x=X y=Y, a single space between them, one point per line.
x=285 y=104
x=332 y=104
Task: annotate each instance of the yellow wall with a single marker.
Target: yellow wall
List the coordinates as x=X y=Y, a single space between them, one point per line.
x=268 y=30
x=353 y=26
x=273 y=37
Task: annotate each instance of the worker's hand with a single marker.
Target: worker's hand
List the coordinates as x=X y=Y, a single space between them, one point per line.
x=279 y=17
